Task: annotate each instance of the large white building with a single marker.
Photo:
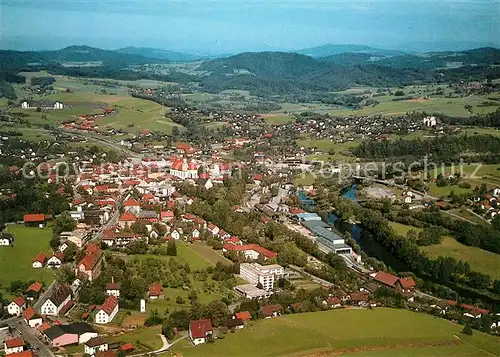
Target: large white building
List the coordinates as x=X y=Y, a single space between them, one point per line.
x=184 y=169
x=255 y=273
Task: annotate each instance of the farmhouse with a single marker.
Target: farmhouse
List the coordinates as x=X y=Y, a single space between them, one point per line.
x=94 y=345
x=270 y=311
x=55 y=261
x=14 y=345
x=31 y=318
x=405 y=284
x=108 y=310
x=243 y=315
x=60 y=296
x=17 y=306
x=156 y=291
x=200 y=331
x=235 y=324
x=39 y=261
x=33 y=291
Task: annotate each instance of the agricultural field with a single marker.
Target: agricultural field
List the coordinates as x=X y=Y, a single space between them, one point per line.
x=346 y=331
x=481 y=104
x=144 y=339
x=15 y=262
x=209 y=254
x=277 y=119
x=479 y=260
x=403 y=229
x=323 y=146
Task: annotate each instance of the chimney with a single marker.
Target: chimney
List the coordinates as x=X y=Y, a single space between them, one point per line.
x=112 y=280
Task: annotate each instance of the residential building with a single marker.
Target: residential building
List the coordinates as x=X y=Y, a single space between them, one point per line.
x=13 y=345
x=113 y=289
x=200 y=331
x=250 y=251
x=264 y=275
x=33 y=291
x=56 y=260
x=94 y=345
x=89 y=268
x=245 y=316
x=156 y=291
x=235 y=324
x=16 y=307
x=39 y=261
x=60 y=296
x=31 y=318
x=34 y=220
x=108 y=310
x=270 y=311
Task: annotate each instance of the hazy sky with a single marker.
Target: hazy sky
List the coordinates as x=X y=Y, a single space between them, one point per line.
x=235 y=25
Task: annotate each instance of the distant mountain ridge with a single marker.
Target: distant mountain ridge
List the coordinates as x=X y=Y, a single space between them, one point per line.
x=331 y=49
x=158 y=53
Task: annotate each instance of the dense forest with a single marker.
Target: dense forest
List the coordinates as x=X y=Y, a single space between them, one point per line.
x=444 y=149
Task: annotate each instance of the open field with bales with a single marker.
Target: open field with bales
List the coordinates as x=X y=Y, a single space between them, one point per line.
x=15 y=262
x=346 y=331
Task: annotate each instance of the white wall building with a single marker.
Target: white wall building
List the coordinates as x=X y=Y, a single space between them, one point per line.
x=255 y=273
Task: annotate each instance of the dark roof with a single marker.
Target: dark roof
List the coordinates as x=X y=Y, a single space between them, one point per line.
x=234 y=323
x=371 y=287
x=269 y=310
x=59 y=294
x=77 y=328
x=95 y=341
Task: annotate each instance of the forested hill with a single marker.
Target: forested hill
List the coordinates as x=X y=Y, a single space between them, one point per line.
x=280 y=72
x=16 y=59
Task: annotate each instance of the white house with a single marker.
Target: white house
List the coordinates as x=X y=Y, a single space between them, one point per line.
x=17 y=306
x=60 y=296
x=196 y=234
x=94 y=345
x=108 y=310
x=55 y=261
x=430 y=121
x=31 y=318
x=6 y=239
x=113 y=289
x=39 y=261
x=13 y=345
x=175 y=234
x=200 y=331
x=496 y=192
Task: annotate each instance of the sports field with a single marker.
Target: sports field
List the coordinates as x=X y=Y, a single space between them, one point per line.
x=347 y=331
x=15 y=262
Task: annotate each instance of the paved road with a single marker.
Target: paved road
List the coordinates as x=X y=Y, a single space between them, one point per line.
x=30 y=336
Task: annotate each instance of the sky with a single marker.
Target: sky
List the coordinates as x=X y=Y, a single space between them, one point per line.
x=231 y=26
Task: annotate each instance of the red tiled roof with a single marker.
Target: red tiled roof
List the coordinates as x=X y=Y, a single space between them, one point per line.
x=189 y=216
x=34 y=218
x=14 y=342
x=333 y=300
x=155 y=290
x=128 y=217
x=66 y=307
x=19 y=301
x=131 y=203
x=357 y=296
x=407 y=282
x=41 y=257
x=44 y=326
x=127 y=347
x=29 y=313
x=167 y=214
x=244 y=315
x=200 y=328
x=23 y=354
x=109 y=304
x=257 y=248
x=90 y=260
x=386 y=278
x=257 y=177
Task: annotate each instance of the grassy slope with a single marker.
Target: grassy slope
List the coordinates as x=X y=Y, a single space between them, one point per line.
x=334 y=330
x=15 y=262
x=479 y=259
